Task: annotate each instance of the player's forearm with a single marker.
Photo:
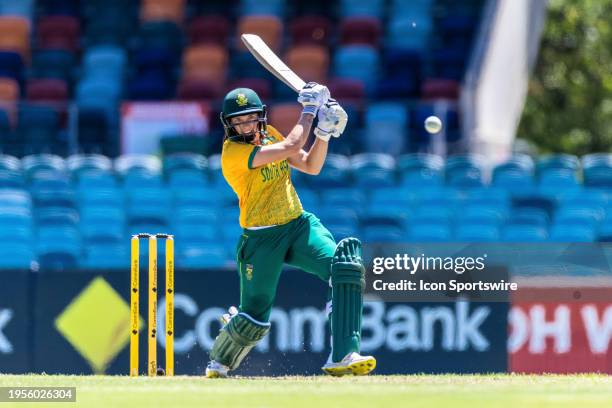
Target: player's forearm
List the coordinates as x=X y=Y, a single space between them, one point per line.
x=315 y=159
x=299 y=134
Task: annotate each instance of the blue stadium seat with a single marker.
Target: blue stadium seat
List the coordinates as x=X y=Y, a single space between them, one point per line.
x=437 y=196
x=8 y=162
x=511 y=179
x=53 y=63
x=418 y=169
x=15 y=232
x=201 y=233
x=15 y=198
x=434 y=213
x=16 y=255
x=597 y=169
x=139 y=180
x=407 y=32
x=487 y=196
x=309 y=198
x=373 y=170
x=369 y=8
x=102 y=223
x=336 y=171
x=524 y=233
x=60 y=216
x=587 y=198
x=562 y=232
x=578 y=215
x=105 y=61
x=138 y=162
x=150 y=85
x=10 y=179
x=85 y=163
x=558 y=180
x=386 y=124
x=187 y=179
x=206 y=198
x=332 y=213
x=54 y=197
x=184 y=161
x=517 y=171
x=390 y=195
x=429 y=232
x=489 y=214
x=344 y=197
x=23 y=8
x=214 y=169
x=557 y=162
x=262 y=7
x=411 y=8
x=42 y=163
x=194 y=215
x=96 y=179
x=340 y=230
x=100 y=196
x=148 y=206
x=211 y=255
x=186 y=170
x=383 y=233
x=359 y=62
x=94 y=133
x=528 y=216
x=101 y=89
x=58 y=248
x=475 y=232
x=12 y=65
x=464 y=171
x=11 y=174
x=402 y=74
x=105 y=255
x=386 y=212
x=15 y=217
x=604 y=234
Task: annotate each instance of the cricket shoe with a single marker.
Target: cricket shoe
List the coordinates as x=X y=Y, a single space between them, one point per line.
x=353 y=363
x=216 y=370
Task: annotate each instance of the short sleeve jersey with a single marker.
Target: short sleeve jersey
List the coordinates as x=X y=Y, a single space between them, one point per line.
x=266 y=195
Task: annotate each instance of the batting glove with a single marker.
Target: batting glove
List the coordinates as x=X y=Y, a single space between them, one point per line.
x=332 y=120
x=312 y=97
x=226 y=317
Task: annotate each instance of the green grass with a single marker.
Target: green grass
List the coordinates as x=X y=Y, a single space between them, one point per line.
x=427 y=391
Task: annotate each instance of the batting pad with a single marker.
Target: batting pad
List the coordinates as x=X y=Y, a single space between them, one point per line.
x=348 y=283
x=237 y=338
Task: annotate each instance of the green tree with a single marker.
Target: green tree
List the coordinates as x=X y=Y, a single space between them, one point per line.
x=569 y=103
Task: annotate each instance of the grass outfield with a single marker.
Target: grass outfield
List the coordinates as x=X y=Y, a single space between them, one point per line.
x=454 y=391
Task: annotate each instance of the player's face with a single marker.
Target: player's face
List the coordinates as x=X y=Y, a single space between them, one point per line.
x=245 y=124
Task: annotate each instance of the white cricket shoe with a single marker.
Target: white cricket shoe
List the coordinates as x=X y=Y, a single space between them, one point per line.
x=353 y=363
x=216 y=370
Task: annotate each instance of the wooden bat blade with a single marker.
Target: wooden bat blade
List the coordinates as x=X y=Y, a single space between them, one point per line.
x=266 y=57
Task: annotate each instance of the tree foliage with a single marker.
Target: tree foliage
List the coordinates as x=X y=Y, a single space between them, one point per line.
x=569 y=104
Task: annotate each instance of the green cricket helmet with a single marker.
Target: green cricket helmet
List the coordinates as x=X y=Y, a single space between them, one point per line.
x=242 y=101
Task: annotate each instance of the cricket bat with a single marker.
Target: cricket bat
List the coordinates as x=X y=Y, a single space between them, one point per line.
x=271 y=62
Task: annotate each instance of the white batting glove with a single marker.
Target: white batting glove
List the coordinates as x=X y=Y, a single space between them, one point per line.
x=226 y=317
x=312 y=97
x=332 y=120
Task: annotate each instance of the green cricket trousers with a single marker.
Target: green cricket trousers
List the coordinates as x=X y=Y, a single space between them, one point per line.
x=303 y=243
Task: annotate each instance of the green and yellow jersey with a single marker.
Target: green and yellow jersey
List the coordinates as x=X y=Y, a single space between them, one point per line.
x=266 y=195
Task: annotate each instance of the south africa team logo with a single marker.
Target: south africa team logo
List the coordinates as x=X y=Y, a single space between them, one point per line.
x=241 y=99
x=249 y=271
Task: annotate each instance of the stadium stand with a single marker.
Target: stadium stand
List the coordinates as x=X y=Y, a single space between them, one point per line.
x=69 y=199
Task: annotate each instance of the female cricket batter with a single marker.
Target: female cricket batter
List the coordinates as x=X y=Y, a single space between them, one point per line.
x=256 y=162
